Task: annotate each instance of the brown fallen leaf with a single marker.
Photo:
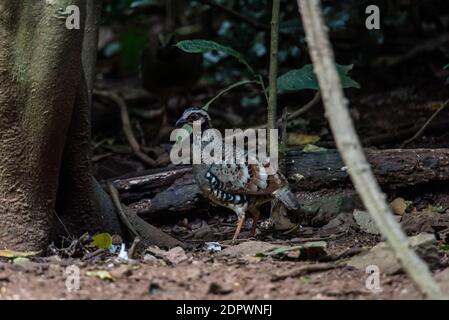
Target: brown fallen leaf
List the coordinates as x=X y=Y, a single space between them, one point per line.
x=121 y=271
x=219 y=289
x=101 y=274
x=399 y=206
x=295 y=139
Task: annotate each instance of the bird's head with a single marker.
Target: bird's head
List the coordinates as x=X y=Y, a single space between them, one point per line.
x=194 y=114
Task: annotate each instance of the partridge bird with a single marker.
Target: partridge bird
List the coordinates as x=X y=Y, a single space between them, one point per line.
x=242 y=188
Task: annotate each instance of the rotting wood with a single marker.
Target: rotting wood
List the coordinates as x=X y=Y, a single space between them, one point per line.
x=175 y=190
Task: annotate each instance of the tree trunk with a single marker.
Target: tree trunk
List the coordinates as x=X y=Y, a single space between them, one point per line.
x=81 y=204
x=44 y=121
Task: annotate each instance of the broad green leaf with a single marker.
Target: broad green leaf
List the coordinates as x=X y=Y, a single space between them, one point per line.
x=102 y=241
x=284 y=250
x=202 y=46
x=304 y=78
x=15 y=254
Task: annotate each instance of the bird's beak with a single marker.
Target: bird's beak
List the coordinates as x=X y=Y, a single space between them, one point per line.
x=180 y=122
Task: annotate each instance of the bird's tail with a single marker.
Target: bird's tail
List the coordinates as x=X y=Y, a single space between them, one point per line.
x=286 y=196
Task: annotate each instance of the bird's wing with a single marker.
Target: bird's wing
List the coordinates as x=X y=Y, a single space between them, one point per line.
x=251 y=179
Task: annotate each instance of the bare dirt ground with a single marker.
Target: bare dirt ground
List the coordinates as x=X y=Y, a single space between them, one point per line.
x=234 y=273
x=195 y=279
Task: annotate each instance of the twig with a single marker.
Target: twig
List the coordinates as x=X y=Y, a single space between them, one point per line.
x=222 y=92
x=424 y=127
x=101 y=156
x=94 y=254
x=118 y=205
x=305 y=108
x=236 y=15
x=348 y=144
x=273 y=72
x=133 y=249
x=127 y=128
x=283 y=140
x=306 y=269
x=344 y=255
x=302 y=110
x=262 y=84
x=427 y=45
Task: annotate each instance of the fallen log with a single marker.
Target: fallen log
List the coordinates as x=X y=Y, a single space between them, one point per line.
x=393 y=168
x=175 y=190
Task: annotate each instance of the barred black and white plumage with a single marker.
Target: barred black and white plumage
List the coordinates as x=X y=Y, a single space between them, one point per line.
x=240 y=187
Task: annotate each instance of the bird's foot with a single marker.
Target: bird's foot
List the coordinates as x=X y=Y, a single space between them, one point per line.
x=240 y=223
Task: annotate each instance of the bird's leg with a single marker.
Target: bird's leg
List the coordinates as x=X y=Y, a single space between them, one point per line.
x=239 y=226
x=256 y=216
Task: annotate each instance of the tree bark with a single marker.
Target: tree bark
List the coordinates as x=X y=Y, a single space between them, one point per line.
x=40 y=63
x=81 y=204
x=44 y=121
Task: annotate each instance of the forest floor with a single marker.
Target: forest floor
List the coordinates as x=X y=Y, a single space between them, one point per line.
x=199 y=275
x=237 y=271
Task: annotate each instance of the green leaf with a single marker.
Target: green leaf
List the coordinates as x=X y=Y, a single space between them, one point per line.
x=202 y=46
x=102 y=241
x=446 y=67
x=304 y=78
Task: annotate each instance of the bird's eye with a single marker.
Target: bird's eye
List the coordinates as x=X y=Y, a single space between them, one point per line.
x=194 y=117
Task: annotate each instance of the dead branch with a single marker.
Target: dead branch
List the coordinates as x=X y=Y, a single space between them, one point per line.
x=309 y=105
x=127 y=128
x=427 y=45
x=149 y=234
x=426 y=124
x=236 y=15
x=350 y=148
x=305 y=270
x=175 y=189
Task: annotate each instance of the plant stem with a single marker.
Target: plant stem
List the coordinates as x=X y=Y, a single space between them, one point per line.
x=349 y=146
x=262 y=84
x=273 y=73
x=222 y=92
x=424 y=127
